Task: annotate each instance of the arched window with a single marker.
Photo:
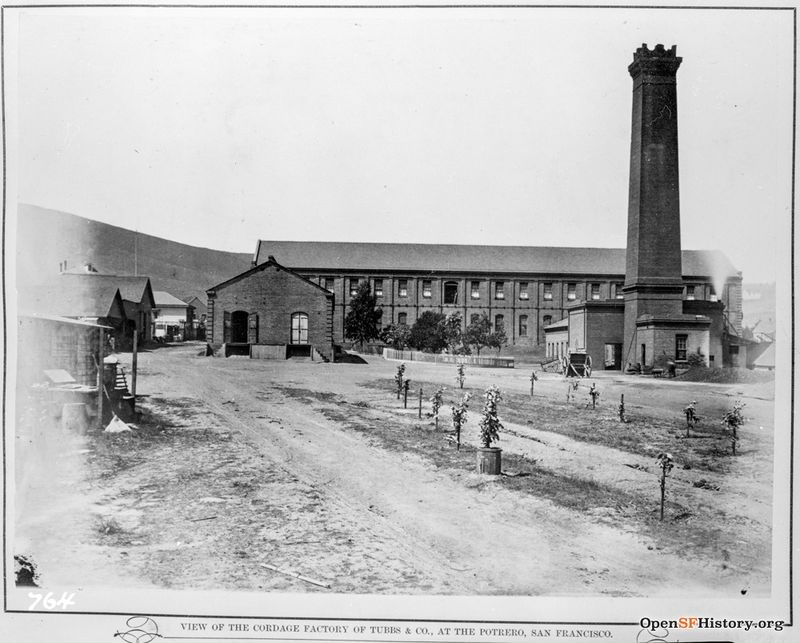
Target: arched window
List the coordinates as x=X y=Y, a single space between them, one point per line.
x=523 y=325
x=299 y=328
x=547 y=320
x=450 y=292
x=498 y=323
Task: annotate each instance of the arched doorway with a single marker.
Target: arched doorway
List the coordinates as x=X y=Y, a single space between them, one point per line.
x=239 y=327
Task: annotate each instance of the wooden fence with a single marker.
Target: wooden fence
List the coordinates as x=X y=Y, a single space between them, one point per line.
x=444 y=358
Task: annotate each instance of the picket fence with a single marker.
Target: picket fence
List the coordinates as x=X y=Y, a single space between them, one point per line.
x=444 y=358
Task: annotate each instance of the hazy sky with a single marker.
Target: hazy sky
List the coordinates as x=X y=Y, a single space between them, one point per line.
x=503 y=126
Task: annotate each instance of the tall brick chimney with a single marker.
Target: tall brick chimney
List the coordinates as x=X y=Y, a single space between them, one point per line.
x=653 y=272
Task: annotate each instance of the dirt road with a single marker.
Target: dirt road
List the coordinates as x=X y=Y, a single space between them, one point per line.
x=297 y=465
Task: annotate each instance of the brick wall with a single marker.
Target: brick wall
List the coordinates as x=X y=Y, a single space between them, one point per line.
x=274 y=294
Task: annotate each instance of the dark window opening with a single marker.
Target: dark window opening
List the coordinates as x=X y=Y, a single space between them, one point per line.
x=450 y=292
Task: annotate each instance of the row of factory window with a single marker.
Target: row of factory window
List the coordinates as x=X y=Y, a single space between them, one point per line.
x=450 y=289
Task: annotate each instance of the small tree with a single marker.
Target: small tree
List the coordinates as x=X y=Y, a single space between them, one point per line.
x=436 y=404
x=664 y=461
x=490 y=422
x=427 y=333
x=691 y=416
x=594 y=394
x=459 y=412
x=461 y=375
x=452 y=332
x=361 y=322
x=479 y=335
x=732 y=420
x=398 y=379
x=396 y=336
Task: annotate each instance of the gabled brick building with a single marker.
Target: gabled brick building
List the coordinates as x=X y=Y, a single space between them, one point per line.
x=271 y=312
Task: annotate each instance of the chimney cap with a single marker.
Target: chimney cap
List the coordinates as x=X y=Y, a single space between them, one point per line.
x=659 y=60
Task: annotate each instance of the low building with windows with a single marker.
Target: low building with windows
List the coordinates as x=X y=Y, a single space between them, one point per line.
x=171 y=317
x=271 y=312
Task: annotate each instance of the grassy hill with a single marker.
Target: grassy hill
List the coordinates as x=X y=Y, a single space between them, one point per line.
x=48 y=237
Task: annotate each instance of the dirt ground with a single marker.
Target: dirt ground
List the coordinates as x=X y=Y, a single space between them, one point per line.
x=318 y=470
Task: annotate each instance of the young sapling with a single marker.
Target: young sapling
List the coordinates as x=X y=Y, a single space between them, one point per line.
x=461 y=374
x=398 y=378
x=664 y=461
x=732 y=420
x=594 y=393
x=436 y=404
x=490 y=422
x=459 y=412
x=691 y=416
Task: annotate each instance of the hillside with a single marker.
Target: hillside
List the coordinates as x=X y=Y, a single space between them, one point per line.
x=46 y=238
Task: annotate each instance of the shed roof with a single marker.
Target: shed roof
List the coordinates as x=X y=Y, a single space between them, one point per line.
x=561 y=324
x=163 y=298
x=63 y=320
x=333 y=255
x=767 y=358
x=80 y=298
x=131 y=288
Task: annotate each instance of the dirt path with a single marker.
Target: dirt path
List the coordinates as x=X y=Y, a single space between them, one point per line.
x=314 y=469
x=457 y=531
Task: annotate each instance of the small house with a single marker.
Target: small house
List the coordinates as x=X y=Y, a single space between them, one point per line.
x=171 y=316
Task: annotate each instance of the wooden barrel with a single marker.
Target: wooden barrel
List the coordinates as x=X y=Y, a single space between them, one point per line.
x=489 y=460
x=74 y=417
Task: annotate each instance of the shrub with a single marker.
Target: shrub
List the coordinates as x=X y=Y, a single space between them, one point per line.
x=696 y=360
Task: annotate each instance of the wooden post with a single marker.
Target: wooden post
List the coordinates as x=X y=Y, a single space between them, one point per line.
x=134 y=360
x=663 y=484
x=101 y=338
x=420 y=403
x=406 y=384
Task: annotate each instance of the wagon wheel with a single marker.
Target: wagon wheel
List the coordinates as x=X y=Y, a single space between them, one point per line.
x=564 y=365
x=587 y=368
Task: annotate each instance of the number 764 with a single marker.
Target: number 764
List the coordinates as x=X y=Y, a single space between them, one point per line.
x=49 y=601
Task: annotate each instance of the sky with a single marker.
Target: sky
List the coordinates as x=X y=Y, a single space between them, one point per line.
x=217 y=127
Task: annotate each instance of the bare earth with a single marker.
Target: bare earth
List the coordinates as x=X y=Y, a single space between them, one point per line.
x=317 y=469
